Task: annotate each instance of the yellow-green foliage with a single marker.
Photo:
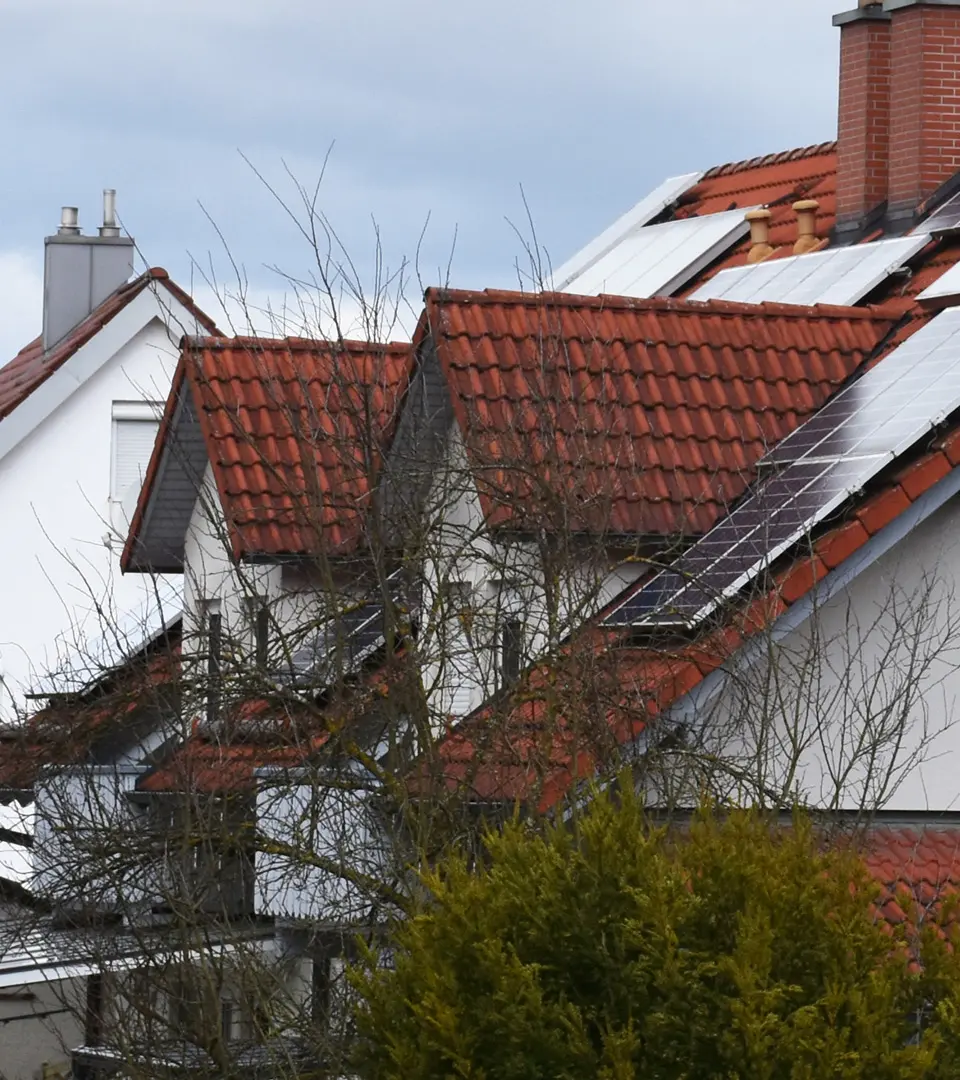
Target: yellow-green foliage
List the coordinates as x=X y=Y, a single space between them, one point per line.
x=612 y=949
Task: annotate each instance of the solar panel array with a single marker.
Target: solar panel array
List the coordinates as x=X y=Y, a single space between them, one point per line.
x=945 y=218
x=342 y=644
x=817 y=468
x=843 y=275
x=644 y=212
x=659 y=259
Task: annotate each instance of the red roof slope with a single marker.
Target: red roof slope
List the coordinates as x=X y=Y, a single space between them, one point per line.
x=295 y=431
x=916 y=868
x=651 y=413
x=31 y=366
x=528 y=747
x=776 y=181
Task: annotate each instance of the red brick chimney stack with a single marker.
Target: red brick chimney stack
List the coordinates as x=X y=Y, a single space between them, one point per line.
x=899 y=123
x=863 y=137
x=924 y=100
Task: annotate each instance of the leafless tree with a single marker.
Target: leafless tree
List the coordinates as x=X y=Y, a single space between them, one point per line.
x=222 y=817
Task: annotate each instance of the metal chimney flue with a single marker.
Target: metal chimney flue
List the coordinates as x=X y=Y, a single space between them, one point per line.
x=109 y=226
x=80 y=272
x=69 y=221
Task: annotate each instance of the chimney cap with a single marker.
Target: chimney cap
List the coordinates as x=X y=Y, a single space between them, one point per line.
x=69 y=221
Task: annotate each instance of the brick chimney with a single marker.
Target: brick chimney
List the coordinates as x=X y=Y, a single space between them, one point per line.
x=924 y=100
x=863 y=135
x=899 y=123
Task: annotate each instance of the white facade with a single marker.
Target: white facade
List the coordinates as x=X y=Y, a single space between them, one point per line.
x=311 y=831
x=851 y=700
x=63 y=533
x=504 y=582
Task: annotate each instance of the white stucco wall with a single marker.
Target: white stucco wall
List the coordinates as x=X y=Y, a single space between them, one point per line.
x=507 y=577
x=39 y=1025
x=82 y=813
x=859 y=705
x=318 y=830
x=55 y=488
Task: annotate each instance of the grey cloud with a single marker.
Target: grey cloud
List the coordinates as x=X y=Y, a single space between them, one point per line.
x=440 y=110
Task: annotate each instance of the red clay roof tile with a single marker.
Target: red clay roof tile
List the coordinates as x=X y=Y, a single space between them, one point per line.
x=916 y=867
x=295 y=432
x=776 y=181
x=32 y=366
x=655 y=411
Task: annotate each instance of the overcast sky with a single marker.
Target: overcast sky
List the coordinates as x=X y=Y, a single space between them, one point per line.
x=439 y=111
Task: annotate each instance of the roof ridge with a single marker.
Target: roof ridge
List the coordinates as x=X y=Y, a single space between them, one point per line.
x=765 y=160
x=252 y=341
x=892 y=309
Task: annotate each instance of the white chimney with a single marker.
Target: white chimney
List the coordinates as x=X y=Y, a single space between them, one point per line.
x=80 y=272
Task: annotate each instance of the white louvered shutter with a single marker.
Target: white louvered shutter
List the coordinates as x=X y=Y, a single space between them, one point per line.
x=132 y=446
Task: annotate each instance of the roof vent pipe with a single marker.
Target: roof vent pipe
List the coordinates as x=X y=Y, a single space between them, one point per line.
x=69 y=221
x=760 y=248
x=806 y=211
x=109 y=226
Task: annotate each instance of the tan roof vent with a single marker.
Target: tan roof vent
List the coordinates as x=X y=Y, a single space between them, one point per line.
x=806 y=211
x=760 y=248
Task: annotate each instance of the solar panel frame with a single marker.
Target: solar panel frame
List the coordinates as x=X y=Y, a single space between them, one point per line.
x=946 y=287
x=946 y=218
x=858 y=433
x=842 y=276
x=649 y=207
x=350 y=637
x=659 y=259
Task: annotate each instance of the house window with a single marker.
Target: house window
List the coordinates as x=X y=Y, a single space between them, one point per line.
x=213 y=650
x=93 y=1025
x=135 y=426
x=320 y=989
x=226 y=1020
x=262 y=634
x=511 y=650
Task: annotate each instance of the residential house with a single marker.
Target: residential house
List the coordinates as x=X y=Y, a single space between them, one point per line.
x=732 y=428
x=79 y=410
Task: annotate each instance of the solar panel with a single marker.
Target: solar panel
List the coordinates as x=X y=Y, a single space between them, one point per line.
x=644 y=212
x=658 y=259
x=344 y=642
x=946 y=286
x=816 y=469
x=945 y=218
x=843 y=275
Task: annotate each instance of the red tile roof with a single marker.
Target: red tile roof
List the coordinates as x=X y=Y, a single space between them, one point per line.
x=917 y=867
x=527 y=748
x=31 y=366
x=776 y=181
x=295 y=432
x=283 y=732
x=650 y=413
x=64 y=732
x=206 y=766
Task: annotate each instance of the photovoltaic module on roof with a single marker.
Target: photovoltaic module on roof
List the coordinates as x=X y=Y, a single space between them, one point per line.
x=945 y=287
x=945 y=218
x=659 y=259
x=814 y=471
x=643 y=213
x=842 y=276
x=342 y=643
